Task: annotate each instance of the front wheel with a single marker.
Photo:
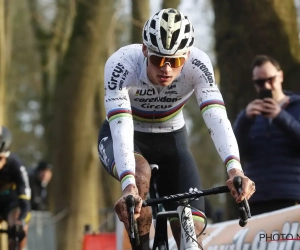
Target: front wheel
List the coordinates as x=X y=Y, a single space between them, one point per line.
x=161 y=246
x=14 y=245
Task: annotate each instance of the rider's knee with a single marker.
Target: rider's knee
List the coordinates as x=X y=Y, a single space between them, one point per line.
x=13 y=216
x=143 y=170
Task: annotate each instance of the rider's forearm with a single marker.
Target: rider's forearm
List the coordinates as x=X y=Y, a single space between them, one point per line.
x=119 y=116
x=215 y=116
x=24 y=207
x=122 y=134
x=223 y=137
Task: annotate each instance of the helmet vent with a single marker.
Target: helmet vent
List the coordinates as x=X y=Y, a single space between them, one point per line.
x=187 y=28
x=183 y=43
x=174 y=38
x=192 y=42
x=145 y=35
x=152 y=24
x=165 y=17
x=153 y=40
x=177 y=18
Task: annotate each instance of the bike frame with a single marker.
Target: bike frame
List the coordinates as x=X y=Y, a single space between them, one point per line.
x=187 y=241
x=188 y=235
x=184 y=214
x=187 y=225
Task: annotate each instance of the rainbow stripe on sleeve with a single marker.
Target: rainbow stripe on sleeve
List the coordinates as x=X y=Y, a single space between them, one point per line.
x=231 y=158
x=211 y=104
x=125 y=175
x=113 y=168
x=117 y=113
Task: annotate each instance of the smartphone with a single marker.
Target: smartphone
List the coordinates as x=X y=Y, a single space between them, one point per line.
x=265 y=93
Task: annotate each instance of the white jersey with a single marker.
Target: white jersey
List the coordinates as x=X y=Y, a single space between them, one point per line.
x=132 y=102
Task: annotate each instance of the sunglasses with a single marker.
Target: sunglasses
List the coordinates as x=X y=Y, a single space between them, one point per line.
x=160 y=61
x=261 y=82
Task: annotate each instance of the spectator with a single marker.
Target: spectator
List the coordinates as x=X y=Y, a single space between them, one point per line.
x=268 y=134
x=39 y=179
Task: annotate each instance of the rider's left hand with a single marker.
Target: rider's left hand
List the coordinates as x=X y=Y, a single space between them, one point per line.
x=248 y=186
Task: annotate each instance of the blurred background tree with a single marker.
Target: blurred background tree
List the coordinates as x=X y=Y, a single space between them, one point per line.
x=73 y=132
x=52 y=56
x=140 y=12
x=170 y=4
x=2 y=62
x=6 y=10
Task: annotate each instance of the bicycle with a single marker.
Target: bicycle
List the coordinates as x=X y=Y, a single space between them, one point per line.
x=16 y=233
x=188 y=234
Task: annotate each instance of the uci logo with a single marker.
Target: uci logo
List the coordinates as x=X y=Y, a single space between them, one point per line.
x=142 y=92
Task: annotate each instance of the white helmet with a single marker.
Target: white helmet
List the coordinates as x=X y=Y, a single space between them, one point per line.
x=5 y=141
x=168 y=32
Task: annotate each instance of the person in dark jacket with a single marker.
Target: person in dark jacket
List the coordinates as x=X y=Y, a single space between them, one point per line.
x=268 y=135
x=39 y=179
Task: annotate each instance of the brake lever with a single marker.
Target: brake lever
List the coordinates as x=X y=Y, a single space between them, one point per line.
x=244 y=209
x=133 y=230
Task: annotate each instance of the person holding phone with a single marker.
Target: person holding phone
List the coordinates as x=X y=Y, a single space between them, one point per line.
x=268 y=135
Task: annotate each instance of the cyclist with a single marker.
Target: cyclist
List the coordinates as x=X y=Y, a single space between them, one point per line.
x=39 y=179
x=146 y=87
x=14 y=190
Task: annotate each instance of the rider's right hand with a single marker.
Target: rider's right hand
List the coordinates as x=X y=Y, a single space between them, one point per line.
x=254 y=108
x=120 y=205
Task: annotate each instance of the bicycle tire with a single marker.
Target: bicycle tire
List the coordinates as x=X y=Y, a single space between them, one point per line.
x=16 y=244
x=161 y=246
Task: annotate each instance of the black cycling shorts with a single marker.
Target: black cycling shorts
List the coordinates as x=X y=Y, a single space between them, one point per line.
x=178 y=171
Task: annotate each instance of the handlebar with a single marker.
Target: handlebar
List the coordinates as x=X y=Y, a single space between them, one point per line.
x=178 y=197
x=244 y=209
